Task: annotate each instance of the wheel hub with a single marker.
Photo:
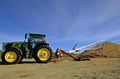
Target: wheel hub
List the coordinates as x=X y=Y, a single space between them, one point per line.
x=10 y=56
x=43 y=54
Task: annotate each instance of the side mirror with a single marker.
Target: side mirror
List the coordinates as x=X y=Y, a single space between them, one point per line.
x=26 y=36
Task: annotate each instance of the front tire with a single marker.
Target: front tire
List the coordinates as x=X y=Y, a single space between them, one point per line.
x=11 y=56
x=43 y=54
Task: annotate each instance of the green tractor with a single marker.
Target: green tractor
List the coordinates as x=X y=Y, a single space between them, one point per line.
x=34 y=46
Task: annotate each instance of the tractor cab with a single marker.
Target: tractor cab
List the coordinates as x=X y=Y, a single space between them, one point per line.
x=34 y=39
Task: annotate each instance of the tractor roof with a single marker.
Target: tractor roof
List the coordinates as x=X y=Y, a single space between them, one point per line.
x=37 y=35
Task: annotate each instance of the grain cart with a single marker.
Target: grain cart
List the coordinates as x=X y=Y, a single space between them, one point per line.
x=34 y=46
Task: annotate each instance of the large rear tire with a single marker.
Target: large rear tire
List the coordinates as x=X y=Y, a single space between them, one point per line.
x=11 y=56
x=43 y=54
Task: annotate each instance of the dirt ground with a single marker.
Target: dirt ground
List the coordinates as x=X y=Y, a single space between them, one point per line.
x=97 y=68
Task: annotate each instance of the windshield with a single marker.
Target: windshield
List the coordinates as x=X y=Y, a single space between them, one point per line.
x=37 y=39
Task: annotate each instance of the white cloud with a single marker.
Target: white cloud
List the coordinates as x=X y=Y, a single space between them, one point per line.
x=72 y=20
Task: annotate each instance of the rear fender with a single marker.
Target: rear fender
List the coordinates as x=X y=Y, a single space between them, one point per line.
x=39 y=45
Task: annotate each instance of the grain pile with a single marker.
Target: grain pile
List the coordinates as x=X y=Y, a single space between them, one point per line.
x=108 y=49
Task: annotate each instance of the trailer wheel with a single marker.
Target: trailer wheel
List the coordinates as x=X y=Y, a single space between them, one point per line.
x=11 y=56
x=43 y=54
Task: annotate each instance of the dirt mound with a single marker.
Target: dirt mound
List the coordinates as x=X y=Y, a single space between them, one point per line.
x=111 y=49
x=108 y=49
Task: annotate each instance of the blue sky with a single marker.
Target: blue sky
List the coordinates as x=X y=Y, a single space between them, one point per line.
x=65 y=22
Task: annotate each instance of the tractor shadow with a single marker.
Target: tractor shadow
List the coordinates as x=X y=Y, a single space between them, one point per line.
x=23 y=62
x=27 y=62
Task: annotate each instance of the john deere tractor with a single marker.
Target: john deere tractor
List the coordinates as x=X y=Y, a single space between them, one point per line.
x=34 y=46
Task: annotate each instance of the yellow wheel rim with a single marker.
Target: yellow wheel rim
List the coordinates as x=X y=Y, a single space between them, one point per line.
x=10 y=56
x=43 y=54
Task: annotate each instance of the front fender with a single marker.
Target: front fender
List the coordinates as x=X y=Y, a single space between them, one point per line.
x=21 y=53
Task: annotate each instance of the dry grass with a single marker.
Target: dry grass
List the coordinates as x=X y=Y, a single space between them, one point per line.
x=96 y=68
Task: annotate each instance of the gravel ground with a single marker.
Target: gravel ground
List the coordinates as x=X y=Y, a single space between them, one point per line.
x=96 y=68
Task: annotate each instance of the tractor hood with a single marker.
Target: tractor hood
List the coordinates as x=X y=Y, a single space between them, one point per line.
x=6 y=45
